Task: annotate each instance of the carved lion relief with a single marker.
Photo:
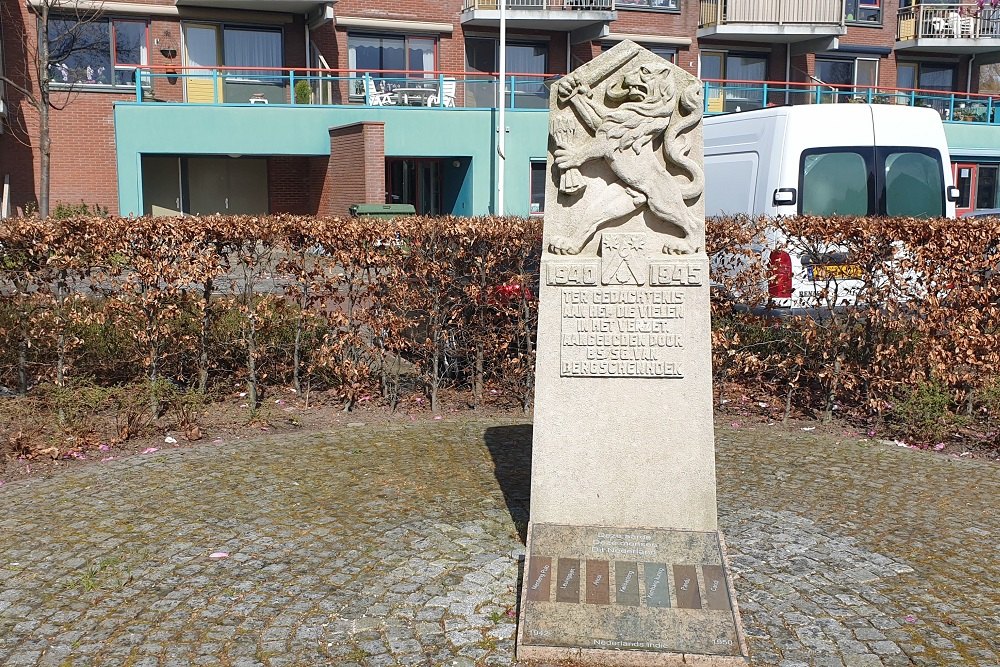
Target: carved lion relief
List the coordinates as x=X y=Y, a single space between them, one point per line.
x=623 y=128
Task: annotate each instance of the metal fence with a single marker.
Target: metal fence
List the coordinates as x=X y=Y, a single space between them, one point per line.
x=578 y=5
x=778 y=12
x=958 y=21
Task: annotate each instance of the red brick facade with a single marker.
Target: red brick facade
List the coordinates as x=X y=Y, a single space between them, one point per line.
x=83 y=164
x=356 y=170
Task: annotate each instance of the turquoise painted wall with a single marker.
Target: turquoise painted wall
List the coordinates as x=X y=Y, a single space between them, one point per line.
x=194 y=129
x=971 y=141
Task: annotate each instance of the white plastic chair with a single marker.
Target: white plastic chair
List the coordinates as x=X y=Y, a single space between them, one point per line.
x=959 y=26
x=376 y=97
x=448 y=87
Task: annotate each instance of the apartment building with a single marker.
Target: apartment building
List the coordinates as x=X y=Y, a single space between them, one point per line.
x=303 y=106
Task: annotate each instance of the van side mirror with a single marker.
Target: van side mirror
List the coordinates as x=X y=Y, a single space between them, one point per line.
x=784 y=197
x=954 y=194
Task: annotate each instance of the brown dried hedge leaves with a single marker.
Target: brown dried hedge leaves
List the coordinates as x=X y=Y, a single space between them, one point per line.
x=389 y=309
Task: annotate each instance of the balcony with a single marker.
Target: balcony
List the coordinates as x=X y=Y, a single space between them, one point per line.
x=380 y=92
x=398 y=89
x=955 y=108
x=284 y=6
x=951 y=29
x=565 y=15
x=782 y=21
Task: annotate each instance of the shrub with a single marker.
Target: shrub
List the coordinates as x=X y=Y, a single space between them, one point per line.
x=924 y=411
x=303 y=92
x=324 y=304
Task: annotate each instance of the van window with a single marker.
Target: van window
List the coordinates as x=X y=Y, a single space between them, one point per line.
x=865 y=180
x=721 y=195
x=835 y=182
x=914 y=184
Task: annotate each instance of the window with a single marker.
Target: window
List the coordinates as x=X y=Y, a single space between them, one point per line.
x=863 y=11
x=250 y=47
x=668 y=5
x=914 y=184
x=928 y=77
x=903 y=181
x=409 y=56
x=537 y=187
x=986 y=190
x=100 y=51
x=846 y=77
x=482 y=58
x=835 y=182
x=666 y=52
x=746 y=69
x=925 y=76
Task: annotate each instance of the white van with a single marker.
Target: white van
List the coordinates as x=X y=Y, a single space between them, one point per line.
x=825 y=159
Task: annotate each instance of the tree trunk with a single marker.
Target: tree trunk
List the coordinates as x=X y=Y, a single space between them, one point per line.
x=22 y=364
x=435 y=369
x=252 y=390
x=44 y=136
x=477 y=375
x=61 y=337
x=529 y=383
x=832 y=395
x=297 y=352
x=203 y=338
x=788 y=403
x=24 y=332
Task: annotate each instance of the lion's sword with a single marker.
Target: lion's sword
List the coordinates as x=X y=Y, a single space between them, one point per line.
x=562 y=129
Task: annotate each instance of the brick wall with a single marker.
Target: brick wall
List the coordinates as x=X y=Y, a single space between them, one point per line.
x=666 y=24
x=82 y=127
x=356 y=169
x=83 y=165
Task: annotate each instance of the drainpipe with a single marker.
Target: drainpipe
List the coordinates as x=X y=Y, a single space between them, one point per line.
x=968 y=78
x=788 y=73
x=501 y=140
x=308 y=50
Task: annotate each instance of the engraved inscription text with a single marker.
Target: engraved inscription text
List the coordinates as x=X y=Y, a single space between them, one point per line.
x=621 y=332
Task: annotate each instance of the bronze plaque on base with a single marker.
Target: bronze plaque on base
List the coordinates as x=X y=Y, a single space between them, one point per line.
x=671 y=594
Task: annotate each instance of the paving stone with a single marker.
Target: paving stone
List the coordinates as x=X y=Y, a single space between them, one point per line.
x=397 y=545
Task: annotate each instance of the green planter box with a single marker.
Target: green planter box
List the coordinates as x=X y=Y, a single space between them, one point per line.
x=386 y=211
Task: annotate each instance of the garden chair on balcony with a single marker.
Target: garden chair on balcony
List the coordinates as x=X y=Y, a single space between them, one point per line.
x=448 y=87
x=375 y=97
x=955 y=25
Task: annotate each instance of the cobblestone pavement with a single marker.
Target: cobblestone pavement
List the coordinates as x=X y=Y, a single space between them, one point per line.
x=392 y=545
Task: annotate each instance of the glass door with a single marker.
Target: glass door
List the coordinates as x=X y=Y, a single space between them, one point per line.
x=965 y=181
x=414 y=181
x=986 y=187
x=201 y=50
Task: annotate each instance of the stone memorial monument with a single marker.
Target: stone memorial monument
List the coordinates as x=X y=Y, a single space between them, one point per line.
x=625 y=563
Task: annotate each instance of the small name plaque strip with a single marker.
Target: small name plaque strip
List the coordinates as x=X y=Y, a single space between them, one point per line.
x=628 y=589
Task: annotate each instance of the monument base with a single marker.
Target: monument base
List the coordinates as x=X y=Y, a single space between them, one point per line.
x=624 y=597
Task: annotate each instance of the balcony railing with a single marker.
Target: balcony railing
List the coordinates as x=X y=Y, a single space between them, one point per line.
x=450 y=91
x=542 y=5
x=966 y=21
x=725 y=96
x=330 y=87
x=773 y=12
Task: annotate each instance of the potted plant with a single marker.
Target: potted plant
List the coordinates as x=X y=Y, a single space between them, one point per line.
x=303 y=92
